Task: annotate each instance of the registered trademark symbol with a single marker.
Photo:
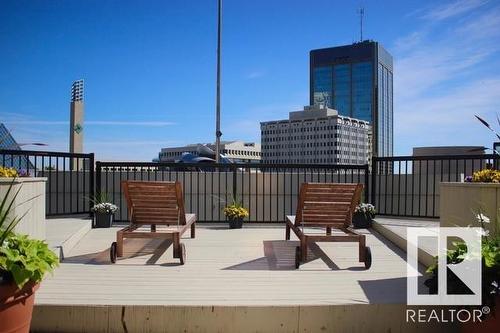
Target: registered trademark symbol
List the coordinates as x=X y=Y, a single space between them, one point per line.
x=486 y=309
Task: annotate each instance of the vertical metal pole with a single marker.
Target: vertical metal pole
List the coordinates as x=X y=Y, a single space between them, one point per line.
x=218 y=133
x=374 y=181
x=92 y=179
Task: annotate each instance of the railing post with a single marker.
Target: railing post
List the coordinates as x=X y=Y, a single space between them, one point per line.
x=98 y=178
x=234 y=181
x=367 y=182
x=373 y=184
x=91 y=180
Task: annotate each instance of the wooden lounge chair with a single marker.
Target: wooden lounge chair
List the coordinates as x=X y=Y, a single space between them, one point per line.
x=327 y=206
x=155 y=204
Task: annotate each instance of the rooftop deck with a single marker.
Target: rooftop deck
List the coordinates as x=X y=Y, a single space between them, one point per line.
x=249 y=266
x=234 y=280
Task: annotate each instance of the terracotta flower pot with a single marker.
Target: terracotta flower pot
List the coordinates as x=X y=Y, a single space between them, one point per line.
x=16 y=307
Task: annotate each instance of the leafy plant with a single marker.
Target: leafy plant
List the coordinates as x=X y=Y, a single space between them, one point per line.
x=490 y=255
x=21 y=258
x=26 y=259
x=368 y=210
x=235 y=211
x=8 y=172
x=105 y=207
x=102 y=204
x=7 y=223
x=486 y=176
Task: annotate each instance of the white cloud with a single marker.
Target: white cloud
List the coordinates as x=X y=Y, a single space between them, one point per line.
x=447 y=76
x=453 y=8
x=255 y=75
x=92 y=122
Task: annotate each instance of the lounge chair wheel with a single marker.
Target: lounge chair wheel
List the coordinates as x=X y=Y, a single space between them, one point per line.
x=368 y=258
x=298 y=256
x=182 y=253
x=112 y=252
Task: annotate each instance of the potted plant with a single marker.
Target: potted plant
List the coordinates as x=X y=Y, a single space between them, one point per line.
x=103 y=211
x=235 y=213
x=23 y=264
x=363 y=215
x=490 y=255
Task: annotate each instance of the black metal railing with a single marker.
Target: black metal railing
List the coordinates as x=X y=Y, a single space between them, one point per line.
x=406 y=186
x=409 y=185
x=70 y=177
x=269 y=191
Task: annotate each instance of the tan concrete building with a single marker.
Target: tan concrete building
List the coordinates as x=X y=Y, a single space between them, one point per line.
x=76 y=123
x=316 y=135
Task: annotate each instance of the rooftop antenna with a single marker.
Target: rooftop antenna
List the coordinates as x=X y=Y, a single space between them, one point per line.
x=361 y=12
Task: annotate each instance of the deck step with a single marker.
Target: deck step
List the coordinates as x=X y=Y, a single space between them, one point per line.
x=395 y=231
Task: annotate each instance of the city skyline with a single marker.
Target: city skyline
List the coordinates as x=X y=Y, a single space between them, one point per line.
x=153 y=71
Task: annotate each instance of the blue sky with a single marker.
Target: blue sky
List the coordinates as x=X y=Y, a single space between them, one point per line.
x=149 y=68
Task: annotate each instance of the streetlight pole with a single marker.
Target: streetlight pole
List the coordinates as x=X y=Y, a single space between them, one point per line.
x=218 y=133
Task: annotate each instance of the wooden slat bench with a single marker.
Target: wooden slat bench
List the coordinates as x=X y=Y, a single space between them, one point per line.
x=328 y=206
x=155 y=204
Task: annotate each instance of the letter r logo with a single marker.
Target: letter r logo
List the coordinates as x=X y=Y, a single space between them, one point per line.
x=468 y=271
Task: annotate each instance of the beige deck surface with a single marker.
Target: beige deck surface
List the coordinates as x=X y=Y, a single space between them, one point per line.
x=249 y=266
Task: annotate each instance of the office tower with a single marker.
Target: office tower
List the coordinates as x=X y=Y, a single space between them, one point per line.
x=76 y=123
x=357 y=81
x=316 y=135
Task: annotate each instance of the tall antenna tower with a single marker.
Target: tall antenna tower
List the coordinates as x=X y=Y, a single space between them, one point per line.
x=361 y=12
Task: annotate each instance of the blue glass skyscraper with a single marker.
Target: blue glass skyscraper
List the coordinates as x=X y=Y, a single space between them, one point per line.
x=356 y=80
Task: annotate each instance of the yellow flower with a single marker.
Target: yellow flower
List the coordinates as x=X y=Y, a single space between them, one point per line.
x=486 y=176
x=235 y=211
x=8 y=172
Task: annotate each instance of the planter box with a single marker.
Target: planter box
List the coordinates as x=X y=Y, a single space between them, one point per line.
x=103 y=220
x=29 y=201
x=461 y=201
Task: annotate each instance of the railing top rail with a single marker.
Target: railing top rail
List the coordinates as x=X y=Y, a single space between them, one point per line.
x=437 y=157
x=44 y=153
x=234 y=165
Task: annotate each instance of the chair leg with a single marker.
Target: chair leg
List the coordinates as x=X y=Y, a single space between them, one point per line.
x=193 y=230
x=119 y=244
x=362 y=248
x=153 y=228
x=176 y=245
x=328 y=230
x=287 y=232
x=303 y=248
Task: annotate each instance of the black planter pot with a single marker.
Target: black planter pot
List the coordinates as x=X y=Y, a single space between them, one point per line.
x=360 y=220
x=103 y=220
x=235 y=223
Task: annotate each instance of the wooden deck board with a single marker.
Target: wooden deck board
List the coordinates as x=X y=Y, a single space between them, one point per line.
x=250 y=266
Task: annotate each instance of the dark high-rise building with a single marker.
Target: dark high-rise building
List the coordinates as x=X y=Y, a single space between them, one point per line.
x=356 y=80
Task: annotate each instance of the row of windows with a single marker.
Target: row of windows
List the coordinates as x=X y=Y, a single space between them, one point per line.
x=353 y=144
x=346 y=88
x=284 y=130
x=224 y=151
x=318 y=152
x=318 y=160
x=357 y=137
